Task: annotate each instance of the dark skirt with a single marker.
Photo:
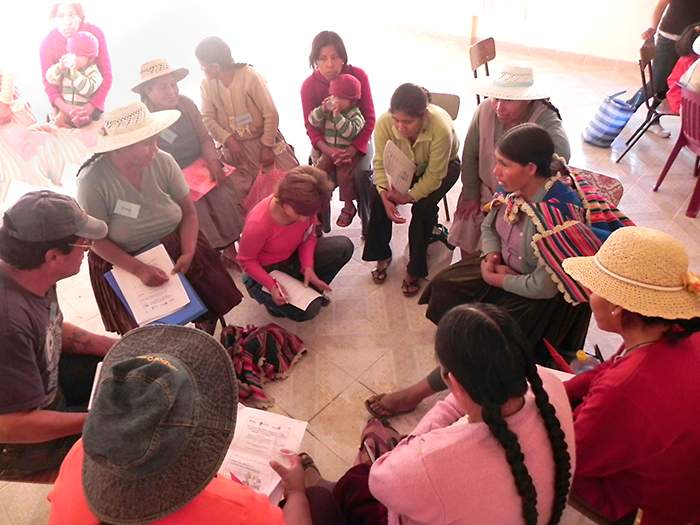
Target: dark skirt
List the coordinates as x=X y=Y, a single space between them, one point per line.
x=561 y=323
x=207 y=275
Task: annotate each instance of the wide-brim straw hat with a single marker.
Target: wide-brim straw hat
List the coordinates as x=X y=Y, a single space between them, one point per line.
x=513 y=82
x=643 y=271
x=155 y=69
x=130 y=124
x=160 y=424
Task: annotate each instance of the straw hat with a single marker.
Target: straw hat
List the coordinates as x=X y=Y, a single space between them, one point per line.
x=158 y=68
x=130 y=124
x=642 y=270
x=514 y=82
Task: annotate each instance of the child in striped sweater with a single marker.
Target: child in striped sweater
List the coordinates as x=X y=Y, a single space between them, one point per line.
x=76 y=73
x=341 y=121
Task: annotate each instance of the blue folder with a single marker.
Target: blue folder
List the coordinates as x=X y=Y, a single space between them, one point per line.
x=191 y=311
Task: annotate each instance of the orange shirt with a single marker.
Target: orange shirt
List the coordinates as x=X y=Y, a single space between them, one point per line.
x=222 y=502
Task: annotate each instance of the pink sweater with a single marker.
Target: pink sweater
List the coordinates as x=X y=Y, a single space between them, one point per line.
x=449 y=471
x=54 y=47
x=264 y=242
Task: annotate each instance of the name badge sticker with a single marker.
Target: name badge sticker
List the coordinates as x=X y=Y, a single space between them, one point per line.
x=242 y=120
x=127 y=209
x=168 y=135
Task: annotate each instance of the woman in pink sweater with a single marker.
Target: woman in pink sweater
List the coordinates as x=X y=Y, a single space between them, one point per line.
x=279 y=234
x=69 y=18
x=498 y=450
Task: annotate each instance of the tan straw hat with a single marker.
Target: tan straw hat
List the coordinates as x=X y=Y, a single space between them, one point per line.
x=642 y=270
x=155 y=69
x=513 y=82
x=130 y=124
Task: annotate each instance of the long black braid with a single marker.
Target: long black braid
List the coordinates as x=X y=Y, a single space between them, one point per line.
x=557 y=440
x=551 y=106
x=89 y=162
x=496 y=366
x=516 y=460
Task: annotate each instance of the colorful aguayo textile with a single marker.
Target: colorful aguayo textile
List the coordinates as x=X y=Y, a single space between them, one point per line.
x=569 y=224
x=260 y=354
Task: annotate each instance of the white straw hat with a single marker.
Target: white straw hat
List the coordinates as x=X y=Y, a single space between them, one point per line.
x=642 y=270
x=158 y=68
x=513 y=82
x=130 y=124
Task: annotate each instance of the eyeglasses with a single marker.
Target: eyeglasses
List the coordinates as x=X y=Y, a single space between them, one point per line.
x=85 y=246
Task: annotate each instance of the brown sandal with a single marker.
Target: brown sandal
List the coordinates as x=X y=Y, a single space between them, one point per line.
x=377 y=399
x=345 y=218
x=410 y=288
x=379 y=274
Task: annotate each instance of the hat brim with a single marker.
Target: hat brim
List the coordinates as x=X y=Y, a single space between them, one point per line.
x=485 y=87
x=178 y=74
x=154 y=124
x=93 y=229
x=670 y=305
x=116 y=499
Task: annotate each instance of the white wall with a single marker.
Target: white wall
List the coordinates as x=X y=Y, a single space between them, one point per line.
x=603 y=28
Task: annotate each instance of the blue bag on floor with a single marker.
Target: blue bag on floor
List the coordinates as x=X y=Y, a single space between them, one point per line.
x=612 y=115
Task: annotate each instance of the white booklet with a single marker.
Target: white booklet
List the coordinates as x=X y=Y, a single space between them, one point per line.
x=149 y=303
x=258 y=438
x=294 y=290
x=398 y=167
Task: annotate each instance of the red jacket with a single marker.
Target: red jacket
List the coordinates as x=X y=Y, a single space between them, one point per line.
x=673 y=95
x=315 y=89
x=638 y=435
x=54 y=47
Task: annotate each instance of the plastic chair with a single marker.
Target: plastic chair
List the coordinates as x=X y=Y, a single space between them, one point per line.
x=656 y=107
x=449 y=103
x=480 y=54
x=689 y=137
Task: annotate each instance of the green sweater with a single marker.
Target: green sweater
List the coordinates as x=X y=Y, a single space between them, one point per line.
x=433 y=149
x=341 y=130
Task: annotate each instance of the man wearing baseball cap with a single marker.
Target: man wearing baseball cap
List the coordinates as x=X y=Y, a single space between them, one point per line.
x=47 y=366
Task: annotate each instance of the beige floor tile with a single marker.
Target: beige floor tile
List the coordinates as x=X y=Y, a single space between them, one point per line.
x=410 y=360
x=313 y=383
x=25 y=503
x=340 y=424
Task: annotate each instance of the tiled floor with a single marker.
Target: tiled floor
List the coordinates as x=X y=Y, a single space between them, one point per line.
x=371 y=339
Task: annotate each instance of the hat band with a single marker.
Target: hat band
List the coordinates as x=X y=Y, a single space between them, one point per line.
x=614 y=275
x=514 y=80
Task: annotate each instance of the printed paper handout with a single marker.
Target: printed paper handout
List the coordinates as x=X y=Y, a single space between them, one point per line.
x=398 y=167
x=149 y=303
x=259 y=437
x=294 y=290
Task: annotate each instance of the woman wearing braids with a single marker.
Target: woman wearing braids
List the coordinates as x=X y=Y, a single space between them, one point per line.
x=497 y=450
x=140 y=192
x=541 y=216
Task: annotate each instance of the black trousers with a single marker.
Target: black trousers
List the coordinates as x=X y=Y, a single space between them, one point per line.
x=424 y=216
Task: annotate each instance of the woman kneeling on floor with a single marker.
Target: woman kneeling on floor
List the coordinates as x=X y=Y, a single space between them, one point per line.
x=279 y=234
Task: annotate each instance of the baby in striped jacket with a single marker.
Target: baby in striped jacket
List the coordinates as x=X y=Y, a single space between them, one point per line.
x=341 y=121
x=76 y=72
